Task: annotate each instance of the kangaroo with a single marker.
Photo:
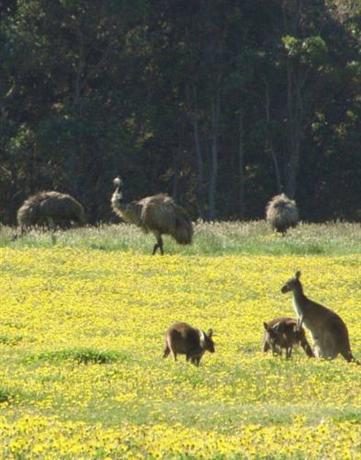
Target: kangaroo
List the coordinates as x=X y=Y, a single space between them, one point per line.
x=329 y=332
x=183 y=339
x=284 y=333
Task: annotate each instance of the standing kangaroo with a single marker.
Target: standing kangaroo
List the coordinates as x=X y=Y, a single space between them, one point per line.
x=183 y=339
x=329 y=332
x=284 y=333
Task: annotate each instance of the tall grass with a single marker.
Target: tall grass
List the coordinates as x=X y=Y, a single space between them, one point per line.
x=215 y=238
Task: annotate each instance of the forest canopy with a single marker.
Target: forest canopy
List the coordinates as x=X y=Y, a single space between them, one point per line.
x=221 y=104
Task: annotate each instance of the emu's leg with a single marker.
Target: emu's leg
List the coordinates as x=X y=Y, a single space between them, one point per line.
x=158 y=244
x=23 y=230
x=52 y=228
x=15 y=236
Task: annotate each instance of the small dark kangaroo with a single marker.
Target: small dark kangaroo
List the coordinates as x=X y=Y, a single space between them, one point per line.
x=329 y=332
x=284 y=333
x=183 y=339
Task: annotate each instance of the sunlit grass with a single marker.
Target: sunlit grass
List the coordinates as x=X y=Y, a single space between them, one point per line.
x=81 y=354
x=218 y=238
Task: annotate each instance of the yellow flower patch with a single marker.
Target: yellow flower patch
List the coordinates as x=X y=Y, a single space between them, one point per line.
x=82 y=373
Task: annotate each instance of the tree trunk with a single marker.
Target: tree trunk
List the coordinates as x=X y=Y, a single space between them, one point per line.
x=269 y=143
x=294 y=102
x=176 y=156
x=212 y=189
x=294 y=109
x=198 y=151
x=241 y=195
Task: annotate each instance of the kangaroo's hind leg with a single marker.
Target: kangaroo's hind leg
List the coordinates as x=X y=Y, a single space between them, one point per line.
x=166 y=351
x=347 y=354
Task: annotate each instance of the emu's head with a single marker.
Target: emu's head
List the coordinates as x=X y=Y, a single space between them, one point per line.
x=117 y=196
x=292 y=284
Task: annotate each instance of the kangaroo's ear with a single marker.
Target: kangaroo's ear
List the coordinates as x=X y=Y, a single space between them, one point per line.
x=265 y=326
x=298 y=275
x=210 y=333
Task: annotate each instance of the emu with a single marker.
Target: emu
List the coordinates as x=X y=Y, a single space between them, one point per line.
x=183 y=339
x=284 y=333
x=329 y=332
x=158 y=214
x=282 y=213
x=50 y=209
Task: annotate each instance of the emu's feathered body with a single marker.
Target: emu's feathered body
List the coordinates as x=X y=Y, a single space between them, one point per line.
x=282 y=213
x=50 y=209
x=158 y=214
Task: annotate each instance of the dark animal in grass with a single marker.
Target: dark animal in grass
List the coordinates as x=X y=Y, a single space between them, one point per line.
x=158 y=214
x=282 y=213
x=329 y=332
x=283 y=333
x=50 y=209
x=183 y=339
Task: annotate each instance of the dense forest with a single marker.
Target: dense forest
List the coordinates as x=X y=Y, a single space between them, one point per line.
x=220 y=103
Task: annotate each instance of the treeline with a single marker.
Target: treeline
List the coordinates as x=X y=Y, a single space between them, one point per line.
x=220 y=103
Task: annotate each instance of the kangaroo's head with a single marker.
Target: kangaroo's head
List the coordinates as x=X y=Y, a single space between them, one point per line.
x=117 y=196
x=272 y=333
x=207 y=342
x=292 y=284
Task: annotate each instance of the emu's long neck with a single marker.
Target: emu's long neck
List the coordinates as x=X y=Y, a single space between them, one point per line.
x=117 y=203
x=130 y=212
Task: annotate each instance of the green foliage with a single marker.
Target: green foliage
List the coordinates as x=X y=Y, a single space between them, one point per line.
x=81 y=356
x=147 y=89
x=11 y=341
x=311 y=50
x=5 y=395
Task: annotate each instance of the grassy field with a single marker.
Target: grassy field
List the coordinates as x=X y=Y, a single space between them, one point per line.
x=214 y=239
x=81 y=339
